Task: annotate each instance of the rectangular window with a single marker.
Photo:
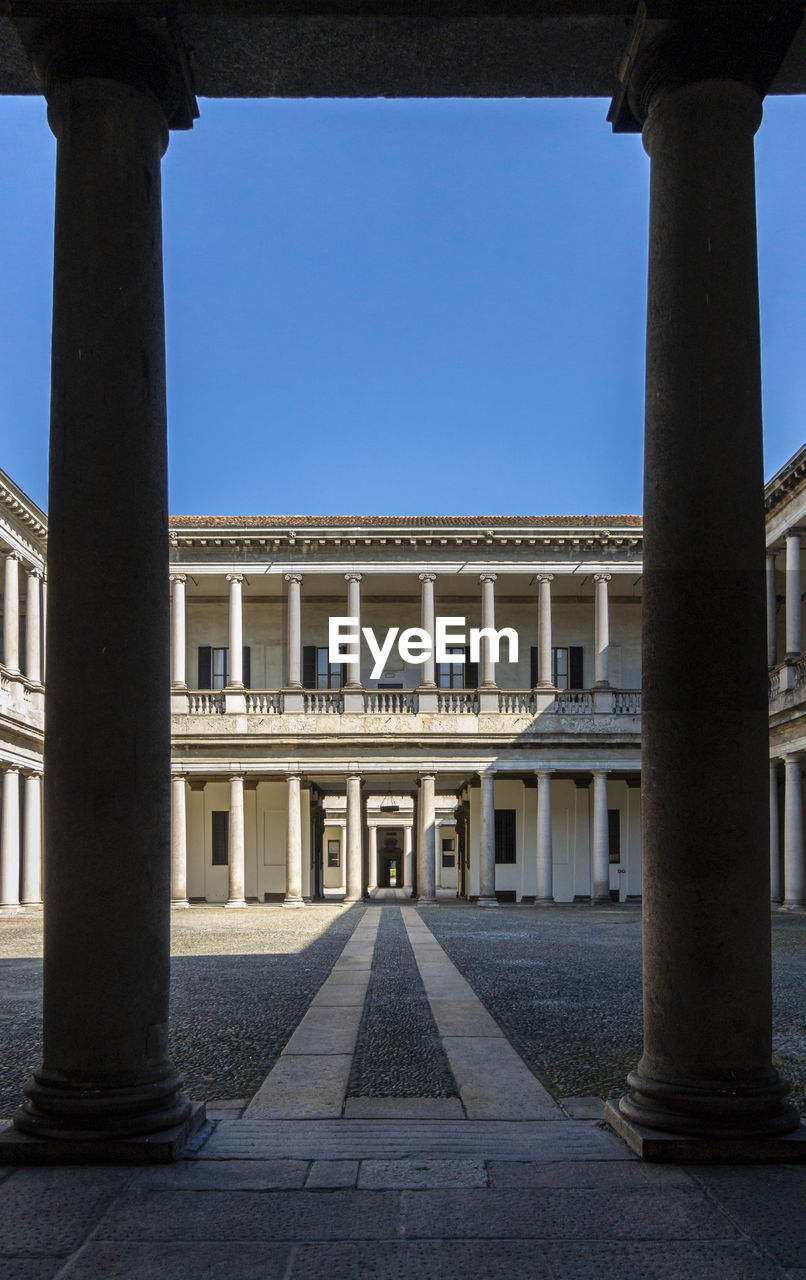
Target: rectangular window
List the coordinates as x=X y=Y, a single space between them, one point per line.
x=447 y=844
x=559 y=668
x=220 y=837
x=220 y=667
x=451 y=675
x=328 y=674
x=614 y=834
x=334 y=853
x=449 y=859
x=505 y=836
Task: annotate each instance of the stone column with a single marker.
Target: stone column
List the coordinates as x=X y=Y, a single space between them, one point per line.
x=544 y=673
x=794 y=886
x=437 y=856
x=426 y=842
x=487 y=668
x=10 y=839
x=794 y=640
x=178 y=678
x=354 y=860
x=373 y=858
x=353 y=680
x=107 y=822
x=545 y=887
x=293 y=845
x=429 y=680
x=32 y=842
x=33 y=648
x=179 y=842
x=775 y=841
x=235 y=581
x=706 y=1069
x=772 y=640
x=294 y=639
x=600 y=850
x=11 y=614
x=407 y=857
x=601 y=677
x=487 y=896
x=235 y=844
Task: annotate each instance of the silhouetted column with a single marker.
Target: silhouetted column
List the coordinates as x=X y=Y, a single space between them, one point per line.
x=428 y=623
x=775 y=841
x=794 y=886
x=106 y=1073
x=487 y=896
x=235 y=843
x=706 y=1068
x=235 y=581
x=33 y=654
x=354 y=866
x=600 y=850
x=545 y=887
x=426 y=842
x=10 y=839
x=178 y=678
x=793 y=594
x=544 y=672
x=487 y=669
x=353 y=680
x=772 y=639
x=32 y=841
x=11 y=614
x=293 y=845
x=179 y=842
x=294 y=645
x=602 y=650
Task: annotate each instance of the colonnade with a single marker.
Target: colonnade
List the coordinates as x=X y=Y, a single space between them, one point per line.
x=788 y=889
x=706 y=1068
x=30 y=662
x=354 y=580
x=20 y=839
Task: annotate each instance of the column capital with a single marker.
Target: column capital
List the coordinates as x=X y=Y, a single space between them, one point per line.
x=179 y=577
x=353 y=576
x=790 y=759
x=10 y=768
x=234 y=577
x=13 y=555
x=544 y=577
x=236 y=777
x=487 y=577
x=602 y=577
x=599 y=773
x=293 y=777
x=293 y=577
x=178 y=775
x=544 y=773
x=422 y=777
x=427 y=577
x=795 y=532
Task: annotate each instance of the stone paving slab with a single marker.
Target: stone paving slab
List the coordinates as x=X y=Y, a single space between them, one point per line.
x=614 y=1174
x=426 y=1260
x=326 y=1030
x=403 y=1108
x=49 y=1211
x=330 y=1174
x=225 y=1175
x=30 y=1268
x=302 y=1087
x=420 y=1175
x=494 y=1082
x=536 y=1140
x=674 y=1260
x=768 y=1202
x=171 y=1261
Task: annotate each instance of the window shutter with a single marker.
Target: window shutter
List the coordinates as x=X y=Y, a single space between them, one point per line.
x=205 y=667
x=576 y=678
x=247 y=667
x=471 y=671
x=309 y=666
x=533 y=667
x=220 y=837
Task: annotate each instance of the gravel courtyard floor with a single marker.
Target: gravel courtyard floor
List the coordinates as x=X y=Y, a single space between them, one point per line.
x=564 y=983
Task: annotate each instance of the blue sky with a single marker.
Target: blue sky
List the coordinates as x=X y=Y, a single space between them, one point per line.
x=399 y=307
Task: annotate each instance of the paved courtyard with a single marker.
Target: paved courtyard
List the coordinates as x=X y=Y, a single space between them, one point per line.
x=395 y=1093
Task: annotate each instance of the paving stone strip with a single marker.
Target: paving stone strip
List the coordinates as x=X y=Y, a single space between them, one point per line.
x=309 y=1080
x=398 y=1055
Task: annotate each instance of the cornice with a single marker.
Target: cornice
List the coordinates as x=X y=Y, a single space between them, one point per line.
x=786 y=482
x=22 y=510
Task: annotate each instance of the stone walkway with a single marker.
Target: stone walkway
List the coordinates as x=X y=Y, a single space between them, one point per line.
x=310 y=1178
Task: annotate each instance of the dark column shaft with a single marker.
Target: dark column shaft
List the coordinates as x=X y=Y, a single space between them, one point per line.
x=106 y=1069
x=706 y=1066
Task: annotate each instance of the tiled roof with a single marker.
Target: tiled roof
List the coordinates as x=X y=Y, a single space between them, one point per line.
x=386 y=522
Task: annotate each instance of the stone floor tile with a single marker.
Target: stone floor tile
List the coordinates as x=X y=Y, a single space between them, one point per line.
x=665 y=1213
x=225 y=1175
x=325 y=1030
x=463 y=1018
x=302 y=1086
x=195 y=1261
x=673 y=1260
x=583 y=1108
x=416 y=1175
x=494 y=1082
x=329 y=1174
x=50 y=1210
x=403 y=1108
x=426 y=1260
x=30 y=1268
x=249 y=1215
x=767 y=1202
x=582 y=1174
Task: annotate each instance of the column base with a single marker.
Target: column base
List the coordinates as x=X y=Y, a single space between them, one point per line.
x=544 y=902
x=423 y=901
x=349 y=902
x=179 y=904
x=792 y=906
x=601 y=901
x=154 y=1148
x=237 y=903
x=487 y=902
x=10 y=909
x=293 y=902
x=657 y=1146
